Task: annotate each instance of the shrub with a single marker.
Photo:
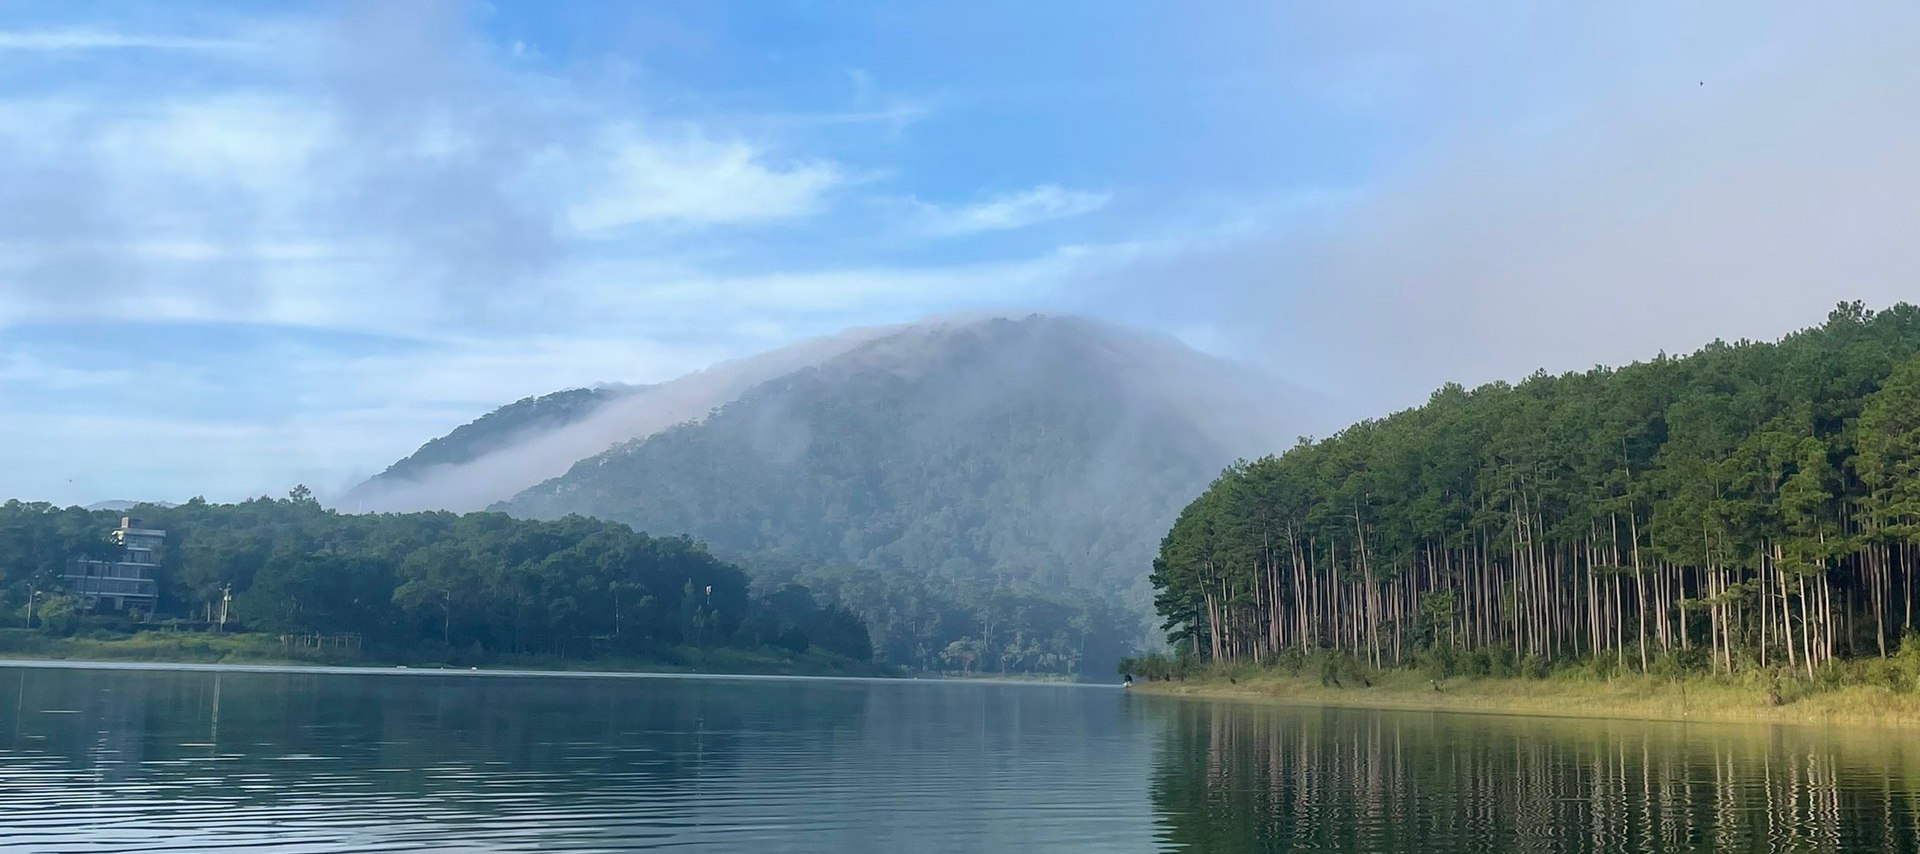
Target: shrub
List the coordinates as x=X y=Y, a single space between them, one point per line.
x=1602 y=666
x=1536 y=666
x=1478 y=662
x=1440 y=662
x=1291 y=661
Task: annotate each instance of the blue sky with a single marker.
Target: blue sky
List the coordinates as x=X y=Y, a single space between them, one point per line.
x=244 y=245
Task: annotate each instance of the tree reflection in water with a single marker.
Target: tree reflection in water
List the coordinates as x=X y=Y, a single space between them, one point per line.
x=1244 y=777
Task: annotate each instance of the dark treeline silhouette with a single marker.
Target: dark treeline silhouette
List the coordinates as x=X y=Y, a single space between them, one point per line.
x=1753 y=506
x=435 y=584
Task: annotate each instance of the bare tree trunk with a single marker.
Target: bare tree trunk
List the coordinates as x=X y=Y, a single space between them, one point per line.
x=1639 y=583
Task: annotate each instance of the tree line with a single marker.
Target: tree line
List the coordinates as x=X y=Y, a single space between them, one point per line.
x=440 y=584
x=483 y=584
x=932 y=622
x=1754 y=505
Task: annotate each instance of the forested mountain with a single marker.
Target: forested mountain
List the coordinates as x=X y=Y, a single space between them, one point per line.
x=1751 y=506
x=1001 y=450
x=983 y=492
x=437 y=585
x=966 y=462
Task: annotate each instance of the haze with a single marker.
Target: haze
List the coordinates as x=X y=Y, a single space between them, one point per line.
x=250 y=245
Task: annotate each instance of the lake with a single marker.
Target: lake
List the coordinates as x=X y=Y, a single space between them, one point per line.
x=145 y=759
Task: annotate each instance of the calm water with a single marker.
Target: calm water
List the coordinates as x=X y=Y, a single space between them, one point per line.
x=142 y=760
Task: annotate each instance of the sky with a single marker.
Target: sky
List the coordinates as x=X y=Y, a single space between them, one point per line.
x=248 y=245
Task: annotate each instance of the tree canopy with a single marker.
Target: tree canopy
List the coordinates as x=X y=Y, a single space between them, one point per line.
x=476 y=584
x=1752 y=505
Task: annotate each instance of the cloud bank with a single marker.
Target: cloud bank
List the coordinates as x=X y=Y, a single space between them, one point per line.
x=1661 y=210
x=273 y=247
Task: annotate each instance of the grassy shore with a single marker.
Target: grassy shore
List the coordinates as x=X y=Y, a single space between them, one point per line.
x=1632 y=696
x=202 y=648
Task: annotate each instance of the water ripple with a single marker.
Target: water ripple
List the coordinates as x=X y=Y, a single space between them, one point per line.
x=223 y=761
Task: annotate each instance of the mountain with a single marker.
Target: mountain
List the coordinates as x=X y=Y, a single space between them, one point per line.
x=986 y=494
x=521 y=444
x=1043 y=450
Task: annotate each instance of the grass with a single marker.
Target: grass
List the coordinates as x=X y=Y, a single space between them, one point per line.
x=202 y=648
x=191 y=647
x=1634 y=696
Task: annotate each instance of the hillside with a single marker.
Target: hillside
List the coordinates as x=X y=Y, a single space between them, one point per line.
x=1007 y=450
x=985 y=493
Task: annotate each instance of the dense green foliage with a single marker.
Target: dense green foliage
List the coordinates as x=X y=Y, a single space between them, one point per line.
x=978 y=451
x=501 y=428
x=1751 y=506
x=437 y=584
x=943 y=470
x=940 y=624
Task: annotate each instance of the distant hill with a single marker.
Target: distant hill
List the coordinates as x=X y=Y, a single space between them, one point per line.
x=501 y=428
x=531 y=440
x=1044 y=450
x=121 y=504
x=987 y=494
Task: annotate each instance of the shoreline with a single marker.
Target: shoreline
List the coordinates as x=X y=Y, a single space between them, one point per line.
x=1624 y=698
x=19 y=662
x=397 y=670
x=239 y=651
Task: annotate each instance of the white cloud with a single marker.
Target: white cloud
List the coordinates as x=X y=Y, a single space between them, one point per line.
x=632 y=179
x=385 y=175
x=287 y=207
x=94 y=39
x=1044 y=203
x=484 y=372
x=20 y=370
x=839 y=293
x=1658 y=214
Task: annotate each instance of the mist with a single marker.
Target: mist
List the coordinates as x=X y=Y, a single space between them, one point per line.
x=1360 y=204
x=1656 y=209
x=529 y=459
x=1227 y=410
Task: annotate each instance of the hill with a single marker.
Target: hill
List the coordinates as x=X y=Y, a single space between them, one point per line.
x=521 y=444
x=986 y=493
x=124 y=504
x=1005 y=450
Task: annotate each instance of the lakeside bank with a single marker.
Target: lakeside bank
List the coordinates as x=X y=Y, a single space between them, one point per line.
x=254 y=649
x=1632 y=697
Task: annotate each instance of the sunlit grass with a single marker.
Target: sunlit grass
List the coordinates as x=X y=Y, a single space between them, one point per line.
x=1696 y=697
x=194 y=647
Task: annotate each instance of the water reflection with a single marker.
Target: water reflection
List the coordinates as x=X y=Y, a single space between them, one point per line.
x=102 y=760
x=1244 y=777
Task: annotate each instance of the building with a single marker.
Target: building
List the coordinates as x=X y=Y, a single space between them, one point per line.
x=124 y=583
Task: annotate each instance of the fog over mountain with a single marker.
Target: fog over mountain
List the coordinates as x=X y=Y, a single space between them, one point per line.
x=1045 y=449
x=531 y=440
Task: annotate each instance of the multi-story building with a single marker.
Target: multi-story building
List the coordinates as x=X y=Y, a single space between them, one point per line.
x=124 y=583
